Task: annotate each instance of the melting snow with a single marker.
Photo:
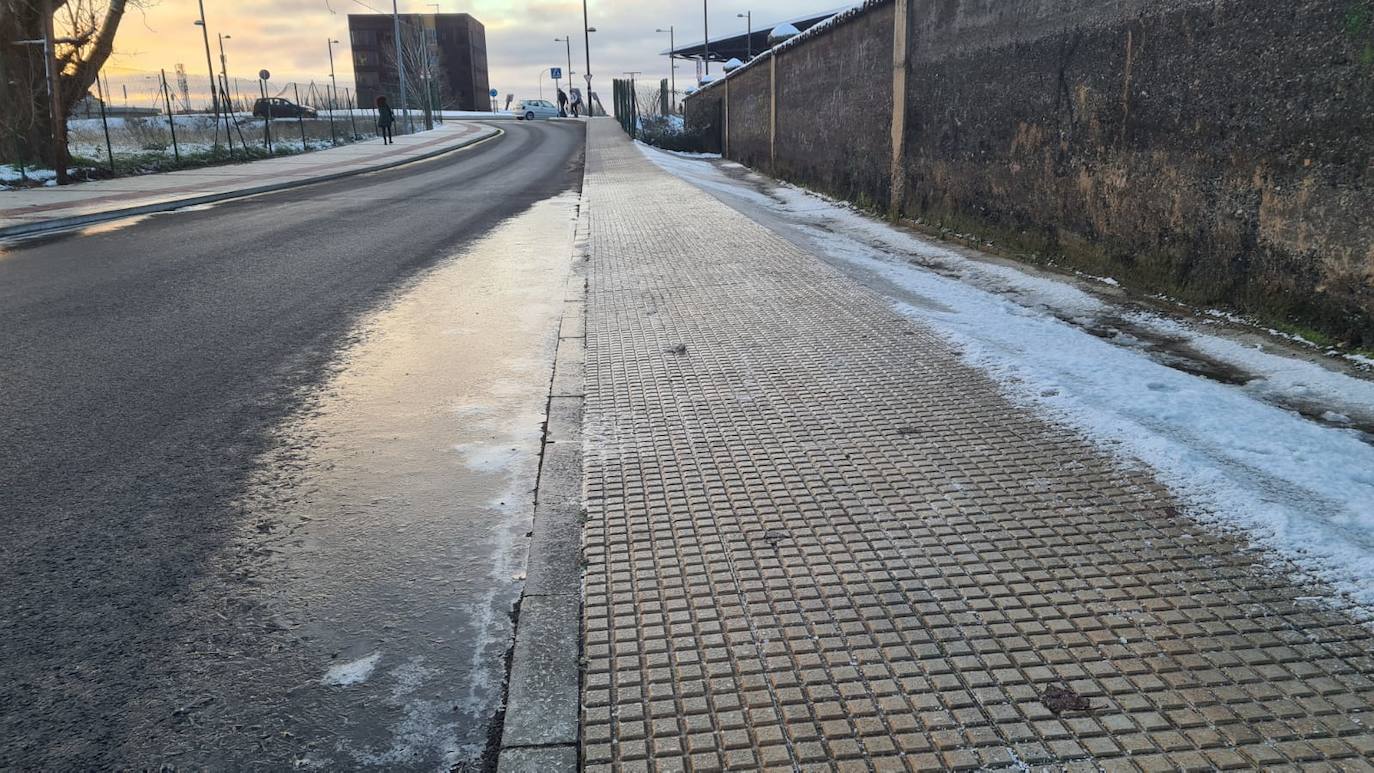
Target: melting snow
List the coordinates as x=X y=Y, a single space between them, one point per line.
x=355 y=672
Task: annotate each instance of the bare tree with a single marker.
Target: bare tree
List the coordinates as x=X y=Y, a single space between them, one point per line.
x=425 y=81
x=84 y=33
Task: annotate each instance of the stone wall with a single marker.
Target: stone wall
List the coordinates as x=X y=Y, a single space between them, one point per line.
x=835 y=110
x=1213 y=150
x=750 y=114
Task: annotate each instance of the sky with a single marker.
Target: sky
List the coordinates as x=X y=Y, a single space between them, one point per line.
x=288 y=37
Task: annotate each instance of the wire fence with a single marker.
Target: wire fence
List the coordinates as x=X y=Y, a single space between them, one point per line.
x=174 y=120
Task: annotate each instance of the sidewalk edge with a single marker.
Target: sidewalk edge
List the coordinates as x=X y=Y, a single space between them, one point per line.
x=76 y=221
x=541 y=732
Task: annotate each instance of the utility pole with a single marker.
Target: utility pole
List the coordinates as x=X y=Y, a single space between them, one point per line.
x=706 y=35
x=210 y=68
x=748 y=17
x=59 y=121
x=400 y=64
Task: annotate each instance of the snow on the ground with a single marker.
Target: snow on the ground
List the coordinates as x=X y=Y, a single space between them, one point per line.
x=1271 y=450
x=353 y=672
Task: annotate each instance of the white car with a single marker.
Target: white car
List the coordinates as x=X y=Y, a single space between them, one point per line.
x=530 y=109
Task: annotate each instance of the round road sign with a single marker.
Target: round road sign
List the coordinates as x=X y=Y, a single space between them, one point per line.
x=265 y=75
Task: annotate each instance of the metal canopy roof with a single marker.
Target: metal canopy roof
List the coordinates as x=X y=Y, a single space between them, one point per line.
x=738 y=46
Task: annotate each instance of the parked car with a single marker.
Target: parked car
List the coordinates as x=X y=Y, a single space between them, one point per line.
x=530 y=109
x=281 y=108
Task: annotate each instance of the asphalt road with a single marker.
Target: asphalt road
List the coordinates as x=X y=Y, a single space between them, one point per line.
x=173 y=388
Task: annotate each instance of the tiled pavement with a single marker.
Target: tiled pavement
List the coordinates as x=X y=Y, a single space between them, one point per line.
x=816 y=540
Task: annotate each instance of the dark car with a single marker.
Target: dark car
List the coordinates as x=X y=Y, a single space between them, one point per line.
x=281 y=108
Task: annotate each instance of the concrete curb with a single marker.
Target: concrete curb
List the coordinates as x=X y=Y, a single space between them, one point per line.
x=543 y=704
x=75 y=221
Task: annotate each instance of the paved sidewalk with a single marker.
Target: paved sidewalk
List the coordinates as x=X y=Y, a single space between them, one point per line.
x=38 y=209
x=816 y=540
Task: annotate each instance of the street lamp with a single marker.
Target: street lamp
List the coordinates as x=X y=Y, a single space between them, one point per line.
x=541 y=81
x=587 y=30
x=332 y=80
x=567 y=41
x=224 y=62
x=672 y=65
x=706 y=38
x=209 y=66
x=749 y=33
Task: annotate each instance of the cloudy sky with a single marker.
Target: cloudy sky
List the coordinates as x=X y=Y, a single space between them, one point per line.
x=288 y=37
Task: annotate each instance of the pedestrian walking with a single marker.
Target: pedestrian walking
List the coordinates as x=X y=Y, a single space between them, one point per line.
x=562 y=104
x=385 y=118
x=576 y=101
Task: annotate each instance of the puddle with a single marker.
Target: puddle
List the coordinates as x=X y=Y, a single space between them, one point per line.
x=389 y=526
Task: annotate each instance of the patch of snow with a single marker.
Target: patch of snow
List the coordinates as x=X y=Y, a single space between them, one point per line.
x=351 y=673
x=1237 y=455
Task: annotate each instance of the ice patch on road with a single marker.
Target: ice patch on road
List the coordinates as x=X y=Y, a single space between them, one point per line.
x=1242 y=454
x=354 y=672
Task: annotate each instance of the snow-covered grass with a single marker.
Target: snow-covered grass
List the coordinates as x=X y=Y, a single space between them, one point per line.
x=1253 y=434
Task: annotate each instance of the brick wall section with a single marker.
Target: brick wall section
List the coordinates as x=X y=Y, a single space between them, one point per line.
x=1213 y=150
x=704 y=111
x=835 y=108
x=750 y=97
x=1206 y=149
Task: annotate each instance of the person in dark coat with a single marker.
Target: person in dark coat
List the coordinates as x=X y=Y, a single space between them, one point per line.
x=562 y=104
x=385 y=118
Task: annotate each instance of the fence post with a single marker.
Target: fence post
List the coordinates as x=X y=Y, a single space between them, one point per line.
x=900 y=62
x=171 y=119
x=300 y=117
x=348 y=100
x=109 y=147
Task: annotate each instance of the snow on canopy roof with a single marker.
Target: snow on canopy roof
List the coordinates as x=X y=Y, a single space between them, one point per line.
x=733 y=64
x=820 y=28
x=784 y=30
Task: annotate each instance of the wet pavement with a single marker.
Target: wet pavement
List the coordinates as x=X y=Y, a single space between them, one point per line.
x=270 y=468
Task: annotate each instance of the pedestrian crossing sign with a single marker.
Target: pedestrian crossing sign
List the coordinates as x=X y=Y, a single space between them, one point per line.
x=556 y=73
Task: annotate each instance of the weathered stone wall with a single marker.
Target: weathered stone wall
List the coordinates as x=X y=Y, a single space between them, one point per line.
x=750 y=94
x=1215 y=150
x=704 y=112
x=835 y=110
x=1211 y=150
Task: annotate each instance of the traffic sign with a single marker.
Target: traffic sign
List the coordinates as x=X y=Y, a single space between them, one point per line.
x=556 y=73
x=265 y=75
x=495 y=93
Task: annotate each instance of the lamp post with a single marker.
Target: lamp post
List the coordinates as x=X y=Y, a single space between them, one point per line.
x=334 y=98
x=541 y=82
x=672 y=65
x=210 y=68
x=749 y=33
x=400 y=63
x=706 y=37
x=224 y=64
x=587 y=49
x=568 y=46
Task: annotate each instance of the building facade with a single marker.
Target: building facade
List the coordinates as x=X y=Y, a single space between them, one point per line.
x=444 y=54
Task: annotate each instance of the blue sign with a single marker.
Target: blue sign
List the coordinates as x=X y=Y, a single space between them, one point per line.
x=495 y=93
x=556 y=73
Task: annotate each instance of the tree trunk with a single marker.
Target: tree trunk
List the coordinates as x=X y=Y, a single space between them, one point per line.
x=26 y=132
